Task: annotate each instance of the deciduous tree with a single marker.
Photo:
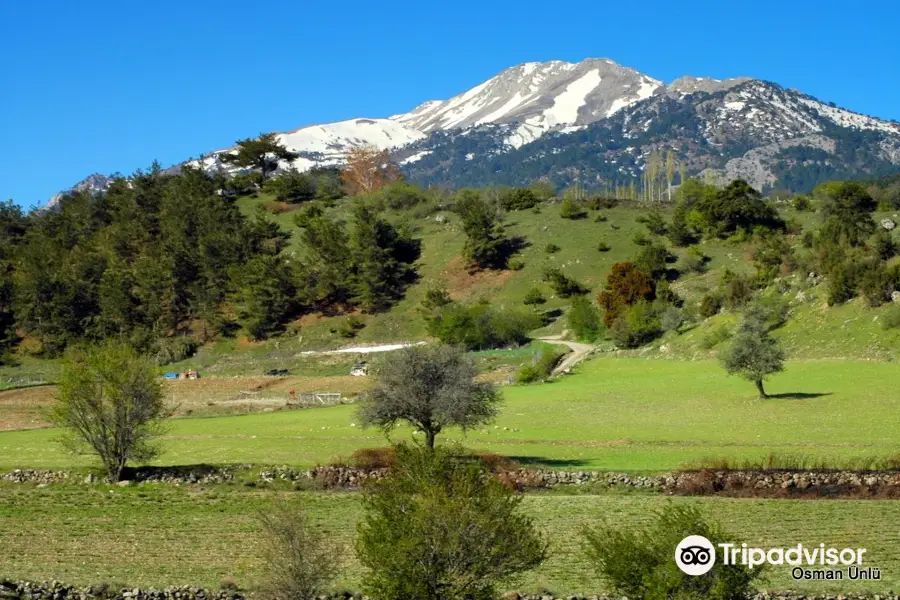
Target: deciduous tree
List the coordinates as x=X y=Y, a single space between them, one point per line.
x=431 y=388
x=110 y=402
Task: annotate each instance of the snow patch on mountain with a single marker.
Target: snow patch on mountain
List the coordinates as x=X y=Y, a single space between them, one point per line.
x=846 y=118
x=565 y=106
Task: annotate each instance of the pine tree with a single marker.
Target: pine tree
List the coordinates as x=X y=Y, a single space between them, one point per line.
x=261 y=153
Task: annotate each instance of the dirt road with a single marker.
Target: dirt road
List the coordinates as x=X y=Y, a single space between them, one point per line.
x=579 y=352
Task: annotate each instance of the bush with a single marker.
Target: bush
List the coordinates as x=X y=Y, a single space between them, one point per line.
x=584 y=319
x=710 y=305
x=639 y=563
x=600 y=218
x=737 y=292
x=480 y=326
x=443 y=528
x=673 y=318
x=517 y=199
x=891 y=317
x=654 y=222
x=641 y=324
x=653 y=259
x=801 y=203
x=715 y=336
x=843 y=282
x=534 y=297
x=371 y=459
x=552 y=248
x=300 y=561
x=175 y=349
x=641 y=239
x=291 y=186
x=693 y=261
x=563 y=286
x=515 y=264
x=569 y=209
x=625 y=285
x=543 y=364
x=603 y=247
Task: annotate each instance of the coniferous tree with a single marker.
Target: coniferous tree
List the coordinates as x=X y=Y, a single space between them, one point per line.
x=261 y=153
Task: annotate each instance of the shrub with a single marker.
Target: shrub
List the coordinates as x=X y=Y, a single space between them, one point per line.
x=603 y=247
x=672 y=319
x=300 y=561
x=693 y=261
x=517 y=199
x=600 y=218
x=291 y=186
x=710 y=305
x=569 y=209
x=891 y=317
x=843 y=282
x=639 y=325
x=552 y=248
x=481 y=326
x=175 y=349
x=715 y=336
x=515 y=264
x=808 y=240
x=654 y=222
x=653 y=259
x=641 y=239
x=801 y=203
x=737 y=291
x=543 y=364
x=625 y=285
x=534 y=297
x=639 y=563
x=443 y=528
x=584 y=319
x=563 y=286
x=371 y=459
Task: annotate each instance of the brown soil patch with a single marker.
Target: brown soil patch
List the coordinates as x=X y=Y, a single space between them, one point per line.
x=461 y=282
x=23 y=408
x=237 y=395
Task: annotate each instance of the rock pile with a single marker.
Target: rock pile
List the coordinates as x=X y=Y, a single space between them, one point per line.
x=19 y=590
x=54 y=590
x=335 y=477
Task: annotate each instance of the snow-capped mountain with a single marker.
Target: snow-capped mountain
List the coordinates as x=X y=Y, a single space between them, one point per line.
x=538 y=97
x=755 y=130
x=608 y=112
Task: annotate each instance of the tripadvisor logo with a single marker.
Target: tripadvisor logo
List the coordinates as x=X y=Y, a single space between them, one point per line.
x=696 y=555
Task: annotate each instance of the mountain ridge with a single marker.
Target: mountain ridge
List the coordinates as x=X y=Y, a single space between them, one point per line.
x=527 y=102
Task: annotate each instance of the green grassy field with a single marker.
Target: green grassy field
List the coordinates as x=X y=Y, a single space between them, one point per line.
x=617 y=414
x=163 y=535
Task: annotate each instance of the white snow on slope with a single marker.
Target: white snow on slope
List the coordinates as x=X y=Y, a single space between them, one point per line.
x=846 y=118
x=735 y=105
x=336 y=137
x=415 y=157
x=565 y=106
x=364 y=349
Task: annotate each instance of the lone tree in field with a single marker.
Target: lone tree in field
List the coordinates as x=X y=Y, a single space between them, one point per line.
x=753 y=353
x=111 y=402
x=262 y=153
x=441 y=527
x=431 y=388
x=299 y=561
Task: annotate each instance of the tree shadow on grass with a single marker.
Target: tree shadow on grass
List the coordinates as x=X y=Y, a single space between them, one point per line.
x=550 y=463
x=798 y=395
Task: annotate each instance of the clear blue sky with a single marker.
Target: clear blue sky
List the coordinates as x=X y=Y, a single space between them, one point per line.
x=105 y=86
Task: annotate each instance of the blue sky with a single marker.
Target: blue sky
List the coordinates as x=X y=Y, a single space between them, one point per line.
x=107 y=86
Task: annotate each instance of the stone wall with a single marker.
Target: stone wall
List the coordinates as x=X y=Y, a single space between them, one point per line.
x=20 y=590
x=685 y=482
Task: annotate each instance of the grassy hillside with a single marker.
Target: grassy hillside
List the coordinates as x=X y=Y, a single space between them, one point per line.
x=615 y=414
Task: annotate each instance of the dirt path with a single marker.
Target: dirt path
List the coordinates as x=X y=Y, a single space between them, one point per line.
x=579 y=352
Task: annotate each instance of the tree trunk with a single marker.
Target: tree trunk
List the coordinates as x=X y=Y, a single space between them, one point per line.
x=759 y=388
x=429 y=438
